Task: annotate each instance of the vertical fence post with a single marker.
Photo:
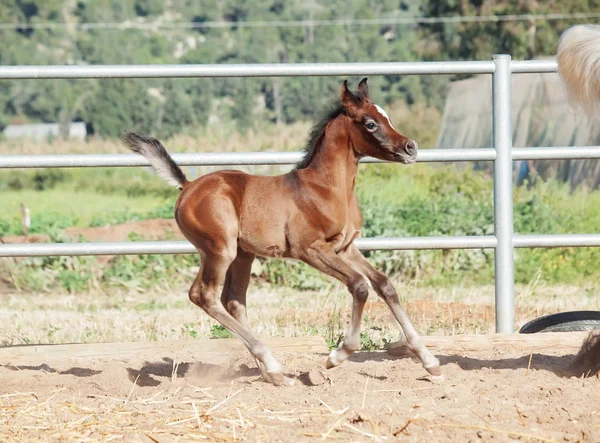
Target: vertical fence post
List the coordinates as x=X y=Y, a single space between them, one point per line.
x=503 y=194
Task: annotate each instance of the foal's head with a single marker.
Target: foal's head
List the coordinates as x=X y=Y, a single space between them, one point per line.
x=372 y=132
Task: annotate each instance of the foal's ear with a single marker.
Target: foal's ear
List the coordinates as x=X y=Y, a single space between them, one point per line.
x=363 y=89
x=349 y=100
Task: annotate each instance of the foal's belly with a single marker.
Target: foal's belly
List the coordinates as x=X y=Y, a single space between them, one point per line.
x=271 y=249
x=264 y=237
x=264 y=218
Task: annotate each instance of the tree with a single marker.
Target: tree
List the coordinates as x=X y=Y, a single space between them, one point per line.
x=145 y=8
x=523 y=39
x=122 y=105
x=172 y=105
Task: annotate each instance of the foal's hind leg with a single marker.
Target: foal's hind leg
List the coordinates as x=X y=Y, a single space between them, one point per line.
x=237 y=279
x=385 y=289
x=204 y=294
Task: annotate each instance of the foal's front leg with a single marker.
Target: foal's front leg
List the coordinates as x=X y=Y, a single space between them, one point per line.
x=321 y=255
x=385 y=289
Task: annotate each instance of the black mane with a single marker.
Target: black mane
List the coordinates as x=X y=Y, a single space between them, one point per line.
x=316 y=135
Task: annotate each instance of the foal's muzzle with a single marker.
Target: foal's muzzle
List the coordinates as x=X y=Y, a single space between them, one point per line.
x=409 y=154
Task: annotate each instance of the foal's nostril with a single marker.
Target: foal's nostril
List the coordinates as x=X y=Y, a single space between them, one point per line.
x=411 y=147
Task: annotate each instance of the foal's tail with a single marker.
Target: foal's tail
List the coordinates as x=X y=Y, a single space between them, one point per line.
x=157 y=155
x=579 y=65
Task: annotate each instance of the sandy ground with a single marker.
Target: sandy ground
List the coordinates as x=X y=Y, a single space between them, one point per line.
x=485 y=396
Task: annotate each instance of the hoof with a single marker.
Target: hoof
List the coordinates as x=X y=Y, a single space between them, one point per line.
x=435 y=371
x=329 y=364
x=275 y=378
x=337 y=357
x=278 y=379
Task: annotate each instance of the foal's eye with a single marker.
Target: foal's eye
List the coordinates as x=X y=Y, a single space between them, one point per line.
x=370 y=126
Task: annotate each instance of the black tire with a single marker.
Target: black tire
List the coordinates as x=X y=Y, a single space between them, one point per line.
x=564 y=322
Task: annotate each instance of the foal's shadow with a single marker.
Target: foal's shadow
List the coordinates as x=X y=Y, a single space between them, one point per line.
x=151 y=372
x=154 y=373
x=558 y=364
x=76 y=371
x=148 y=374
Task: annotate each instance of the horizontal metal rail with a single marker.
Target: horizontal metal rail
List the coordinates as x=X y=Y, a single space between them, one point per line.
x=282 y=158
x=216 y=158
x=556 y=240
x=364 y=244
x=557 y=153
x=503 y=242
x=533 y=66
x=267 y=70
x=243 y=70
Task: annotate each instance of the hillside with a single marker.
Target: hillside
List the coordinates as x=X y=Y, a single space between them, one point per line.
x=180 y=31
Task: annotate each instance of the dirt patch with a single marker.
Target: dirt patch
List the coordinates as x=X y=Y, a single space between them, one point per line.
x=455 y=317
x=588 y=357
x=151 y=229
x=501 y=394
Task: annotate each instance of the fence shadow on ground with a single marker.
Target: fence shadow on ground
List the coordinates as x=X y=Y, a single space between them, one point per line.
x=153 y=373
x=558 y=364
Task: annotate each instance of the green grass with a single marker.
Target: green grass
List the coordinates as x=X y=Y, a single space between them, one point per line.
x=122 y=314
x=60 y=198
x=67 y=207
x=396 y=200
x=219 y=331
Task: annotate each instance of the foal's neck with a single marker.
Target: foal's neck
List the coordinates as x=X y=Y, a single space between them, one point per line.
x=336 y=162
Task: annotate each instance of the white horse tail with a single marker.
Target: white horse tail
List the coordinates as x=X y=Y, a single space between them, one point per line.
x=579 y=66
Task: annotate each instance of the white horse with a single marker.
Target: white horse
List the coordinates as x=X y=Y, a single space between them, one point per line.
x=579 y=67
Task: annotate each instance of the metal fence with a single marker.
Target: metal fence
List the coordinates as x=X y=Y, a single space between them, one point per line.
x=502 y=154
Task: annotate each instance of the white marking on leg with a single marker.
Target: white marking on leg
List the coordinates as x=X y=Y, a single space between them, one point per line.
x=383 y=113
x=338 y=356
x=416 y=345
x=271 y=364
x=429 y=361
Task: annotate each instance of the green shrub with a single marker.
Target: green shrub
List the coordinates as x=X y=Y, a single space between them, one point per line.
x=395 y=201
x=113 y=218
x=293 y=274
x=48 y=222
x=219 y=331
x=148 y=270
x=73 y=280
x=39 y=180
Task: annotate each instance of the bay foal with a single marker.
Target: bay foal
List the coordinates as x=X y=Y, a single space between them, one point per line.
x=309 y=214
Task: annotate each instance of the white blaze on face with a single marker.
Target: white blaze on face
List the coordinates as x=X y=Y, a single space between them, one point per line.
x=382 y=112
